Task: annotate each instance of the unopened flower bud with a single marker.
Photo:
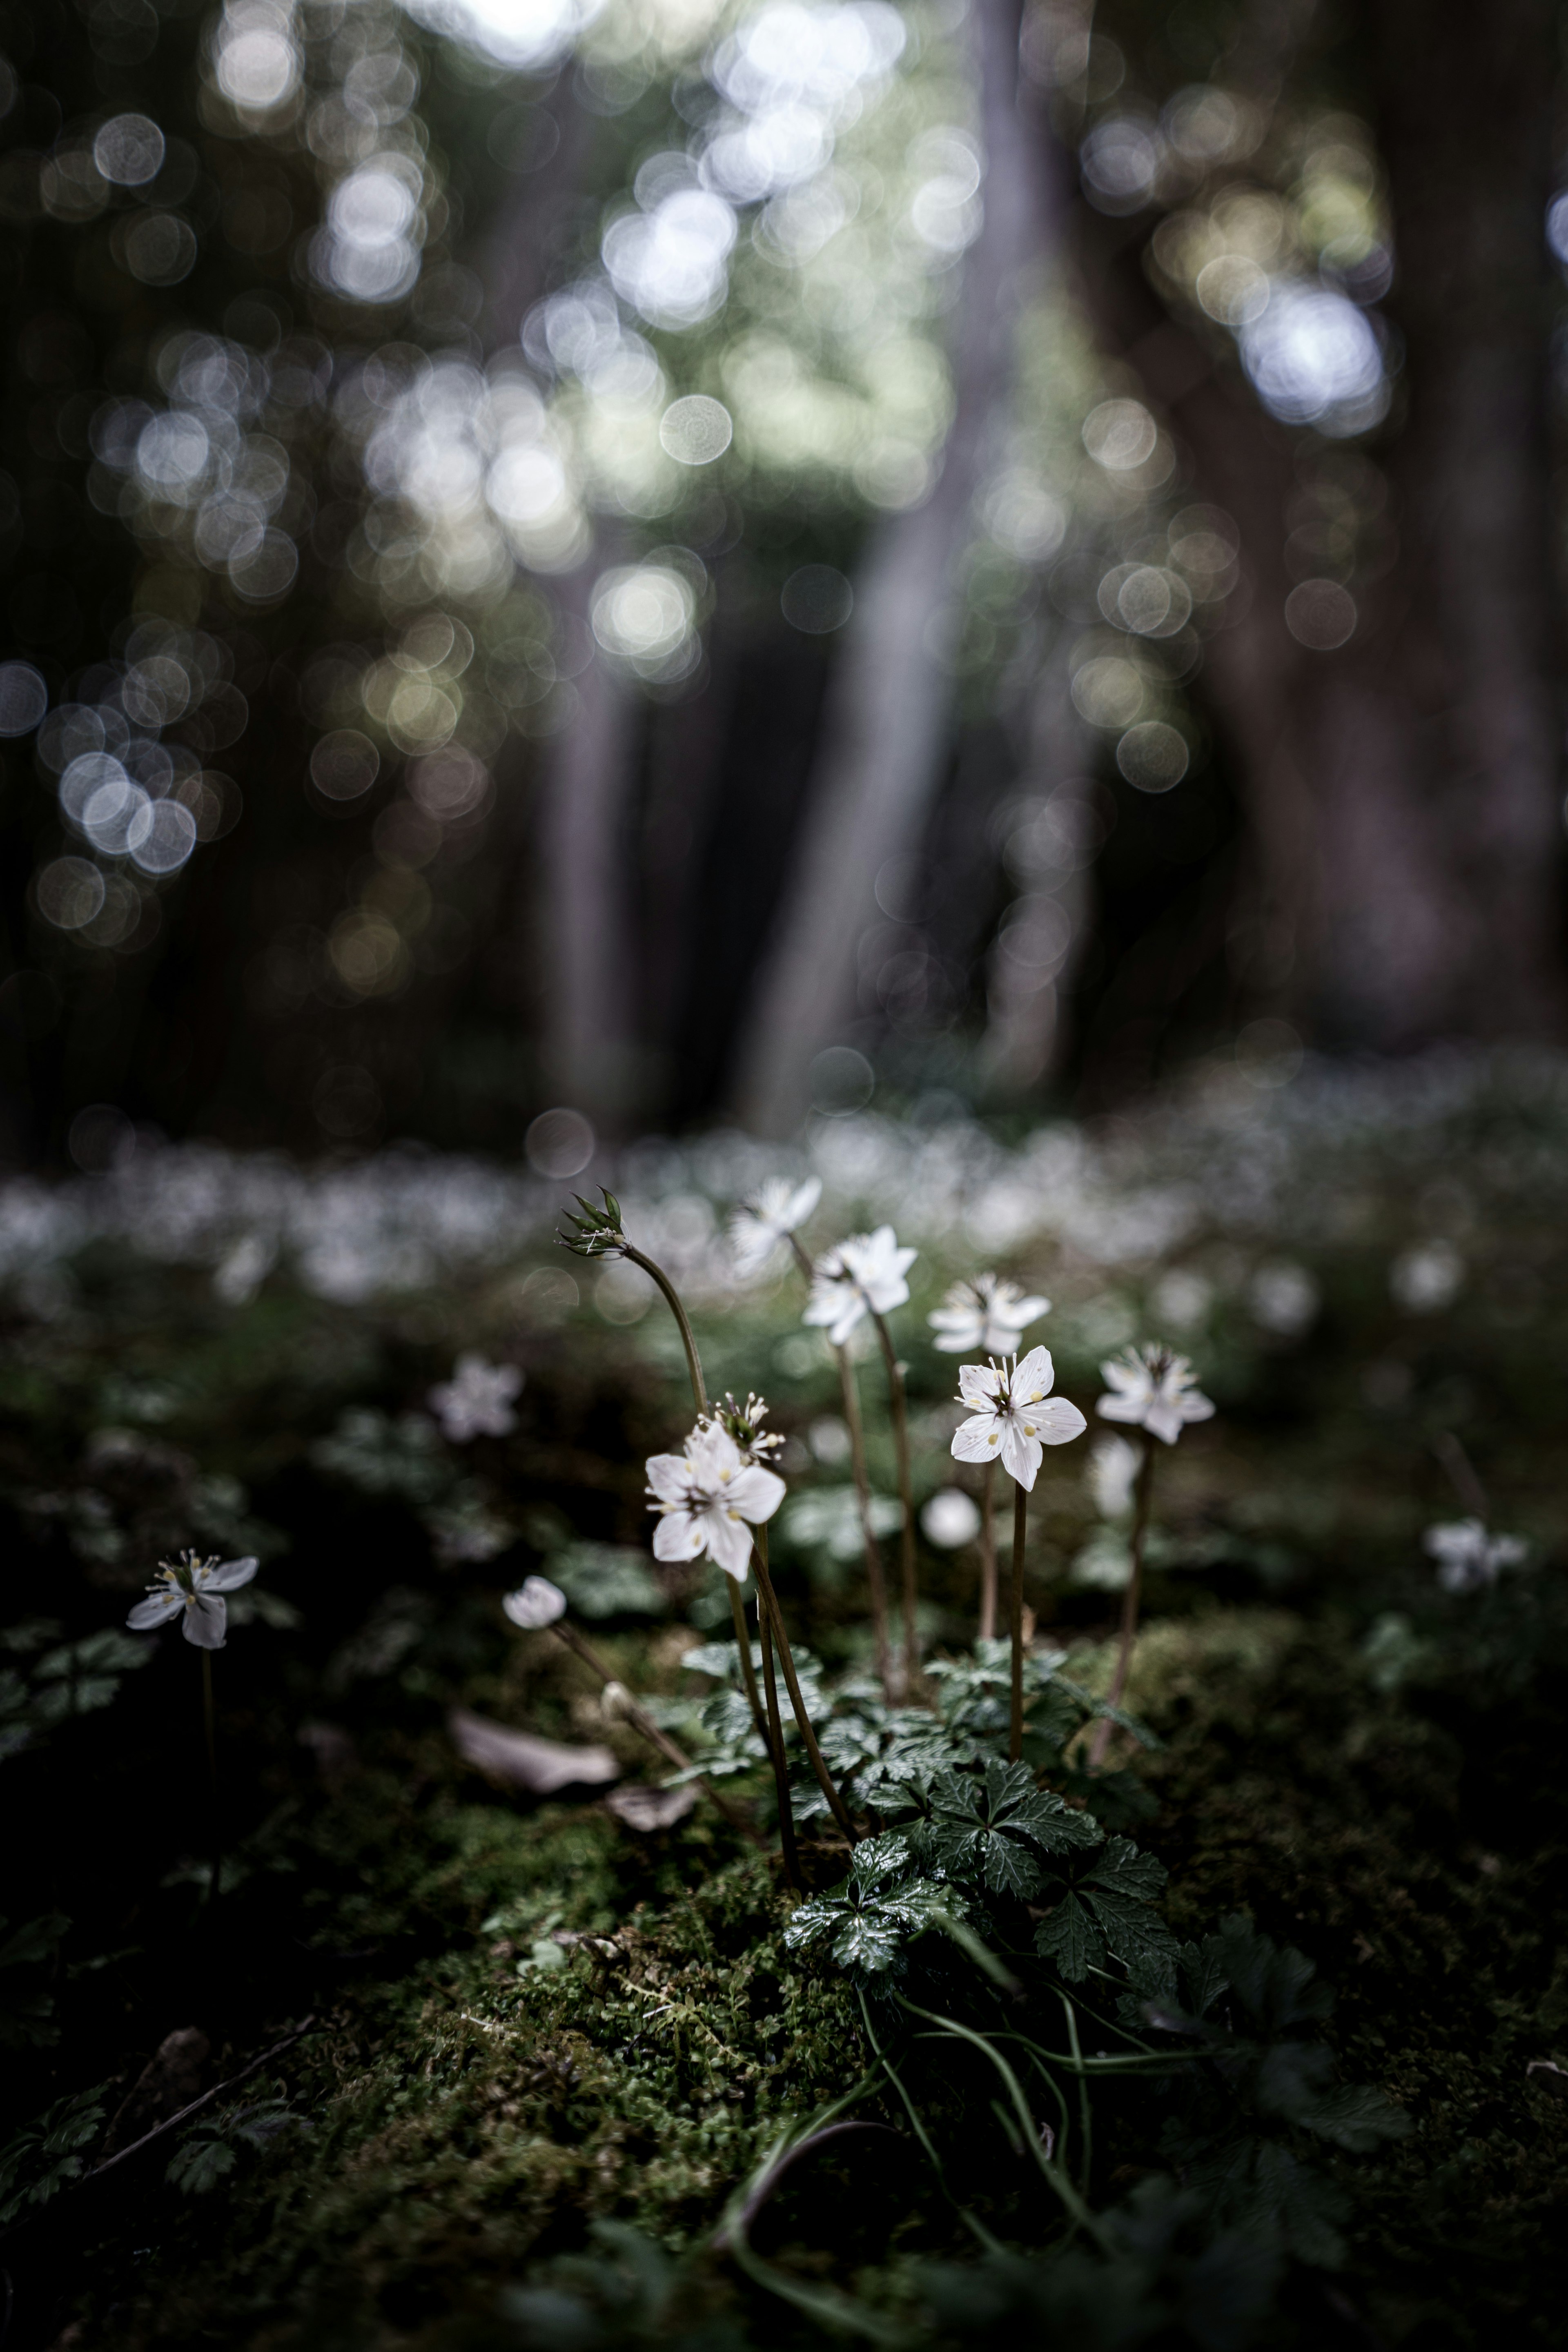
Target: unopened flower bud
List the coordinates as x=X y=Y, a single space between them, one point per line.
x=535 y=1604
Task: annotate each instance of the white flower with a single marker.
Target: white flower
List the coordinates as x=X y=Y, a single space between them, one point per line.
x=709 y=1498
x=866 y=1271
x=765 y=1222
x=1015 y=1414
x=985 y=1316
x=1155 y=1388
x=1468 y=1557
x=535 y=1604
x=951 y=1519
x=477 y=1400
x=1113 y=1469
x=193 y=1588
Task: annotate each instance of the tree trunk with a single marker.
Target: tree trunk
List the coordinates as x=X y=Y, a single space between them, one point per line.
x=885 y=732
x=1402 y=789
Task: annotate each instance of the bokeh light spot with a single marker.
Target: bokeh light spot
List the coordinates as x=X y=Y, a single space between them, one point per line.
x=817 y=599
x=1153 y=756
x=24 y=697
x=1320 y=615
x=696 y=430
x=559 y=1143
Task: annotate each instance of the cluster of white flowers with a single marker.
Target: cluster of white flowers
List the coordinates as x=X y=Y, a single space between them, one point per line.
x=762 y=1226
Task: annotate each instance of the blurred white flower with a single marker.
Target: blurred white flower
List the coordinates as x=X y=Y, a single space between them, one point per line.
x=1284 y=1298
x=984 y=1317
x=709 y=1498
x=1426 y=1278
x=477 y=1400
x=1467 y=1556
x=192 y=1588
x=1155 y=1388
x=865 y=1272
x=1112 y=1472
x=1014 y=1416
x=535 y=1604
x=762 y=1225
x=951 y=1519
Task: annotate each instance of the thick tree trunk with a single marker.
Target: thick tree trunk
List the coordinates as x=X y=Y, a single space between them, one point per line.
x=885 y=733
x=1402 y=790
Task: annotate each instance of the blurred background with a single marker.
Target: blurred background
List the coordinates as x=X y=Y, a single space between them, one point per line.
x=634 y=563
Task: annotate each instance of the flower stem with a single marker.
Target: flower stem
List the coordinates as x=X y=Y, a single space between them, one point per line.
x=1143 y=1497
x=781 y=1773
x=1016 y=1609
x=700 y=1398
x=988 y=1554
x=876 y=1583
x=209 y=1724
x=672 y=1299
x=898 y=1402
x=652 y=1732
x=748 y=1672
x=769 y=1600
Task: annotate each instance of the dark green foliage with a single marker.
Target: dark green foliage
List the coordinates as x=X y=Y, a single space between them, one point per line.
x=25 y=2013
x=212 y=2146
x=49 y=2152
x=881 y=1908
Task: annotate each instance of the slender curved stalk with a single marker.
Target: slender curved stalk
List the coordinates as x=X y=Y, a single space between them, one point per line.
x=1078 y=2211
x=209 y=1724
x=769 y=1599
x=1144 y=1494
x=700 y=1398
x=988 y=1553
x=781 y=1773
x=876 y=1583
x=1016 y=1610
x=1084 y=2124
x=654 y=1733
x=898 y=1399
x=672 y=1297
x=991 y=2245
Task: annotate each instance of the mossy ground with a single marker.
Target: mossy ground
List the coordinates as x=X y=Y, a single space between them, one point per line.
x=1370 y=1770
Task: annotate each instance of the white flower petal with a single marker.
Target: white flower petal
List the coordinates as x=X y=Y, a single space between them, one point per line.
x=979 y=1440
x=729 y=1542
x=679 y=1534
x=1120 y=1408
x=206 y=1622
x=1056 y=1421
x=156 y=1609
x=1164 y=1421
x=756 y=1493
x=669 y=1475
x=1035 y=1374
x=535 y=1604
x=1021 y=1455
x=227 y=1576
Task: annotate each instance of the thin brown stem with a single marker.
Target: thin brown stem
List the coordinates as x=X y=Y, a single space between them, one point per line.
x=700 y=1398
x=898 y=1402
x=769 y=1601
x=748 y=1672
x=781 y=1772
x=1143 y=1497
x=1015 y=1613
x=988 y=1553
x=672 y=1299
x=655 y=1734
x=876 y=1583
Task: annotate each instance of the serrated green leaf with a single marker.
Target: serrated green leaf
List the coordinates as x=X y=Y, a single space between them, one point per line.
x=1203 y=1974
x=823 y=1915
x=1071 y=1939
x=1132 y=1930
x=199 y=2163
x=1122 y=1868
x=1008 y=1867
x=1055 y=1827
x=1357 y=2118
x=1275 y=1984
x=868 y=1939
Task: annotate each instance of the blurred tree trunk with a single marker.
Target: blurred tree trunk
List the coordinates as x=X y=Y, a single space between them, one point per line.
x=885 y=733
x=1403 y=790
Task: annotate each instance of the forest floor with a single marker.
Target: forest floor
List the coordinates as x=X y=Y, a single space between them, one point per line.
x=520 y=2057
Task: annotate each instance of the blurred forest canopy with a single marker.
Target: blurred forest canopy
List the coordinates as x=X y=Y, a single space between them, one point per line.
x=659 y=554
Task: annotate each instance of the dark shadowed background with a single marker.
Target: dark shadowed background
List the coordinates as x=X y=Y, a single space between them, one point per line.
x=683 y=560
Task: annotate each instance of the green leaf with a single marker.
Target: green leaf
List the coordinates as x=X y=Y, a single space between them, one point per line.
x=1122 y=1869
x=1357 y=2118
x=33 y=1943
x=1133 y=1931
x=868 y=1939
x=44 y=2154
x=200 y=2162
x=1009 y=1868
x=1055 y=1827
x=1069 y=1938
